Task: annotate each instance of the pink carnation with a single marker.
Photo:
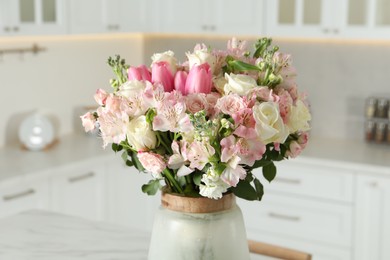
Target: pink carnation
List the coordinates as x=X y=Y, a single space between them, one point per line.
x=152 y=162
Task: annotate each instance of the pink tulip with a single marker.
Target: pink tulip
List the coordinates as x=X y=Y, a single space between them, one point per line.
x=180 y=81
x=139 y=73
x=162 y=74
x=199 y=79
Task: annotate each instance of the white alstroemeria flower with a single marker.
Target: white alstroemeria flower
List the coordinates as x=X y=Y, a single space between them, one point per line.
x=212 y=185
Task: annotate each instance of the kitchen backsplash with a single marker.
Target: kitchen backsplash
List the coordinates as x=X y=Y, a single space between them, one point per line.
x=338 y=76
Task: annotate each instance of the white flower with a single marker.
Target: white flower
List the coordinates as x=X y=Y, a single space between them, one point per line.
x=201 y=55
x=240 y=84
x=131 y=88
x=140 y=135
x=213 y=186
x=299 y=117
x=168 y=56
x=269 y=123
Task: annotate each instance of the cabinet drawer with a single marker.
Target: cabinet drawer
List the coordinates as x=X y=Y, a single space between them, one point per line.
x=317 y=181
x=301 y=218
x=23 y=196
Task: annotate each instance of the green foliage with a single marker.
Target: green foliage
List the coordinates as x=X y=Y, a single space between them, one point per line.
x=119 y=68
x=151 y=187
x=269 y=171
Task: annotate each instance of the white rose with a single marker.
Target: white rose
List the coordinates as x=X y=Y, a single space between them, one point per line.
x=131 y=88
x=168 y=56
x=269 y=124
x=240 y=84
x=299 y=117
x=140 y=135
x=201 y=56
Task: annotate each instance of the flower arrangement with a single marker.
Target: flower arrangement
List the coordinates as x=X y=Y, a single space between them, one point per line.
x=204 y=125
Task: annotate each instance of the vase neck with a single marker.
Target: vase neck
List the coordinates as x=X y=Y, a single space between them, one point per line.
x=198 y=204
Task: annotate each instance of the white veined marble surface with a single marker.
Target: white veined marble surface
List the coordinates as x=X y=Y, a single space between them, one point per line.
x=41 y=235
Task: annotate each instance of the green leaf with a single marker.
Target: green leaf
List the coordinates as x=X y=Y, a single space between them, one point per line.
x=136 y=162
x=242 y=66
x=260 y=163
x=124 y=156
x=269 y=171
x=129 y=163
x=116 y=147
x=259 y=188
x=245 y=190
x=197 y=177
x=151 y=187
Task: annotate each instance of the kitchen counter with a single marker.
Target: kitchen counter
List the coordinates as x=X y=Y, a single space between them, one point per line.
x=42 y=235
x=355 y=155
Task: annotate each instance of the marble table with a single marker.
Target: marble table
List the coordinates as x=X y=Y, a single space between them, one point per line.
x=42 y=235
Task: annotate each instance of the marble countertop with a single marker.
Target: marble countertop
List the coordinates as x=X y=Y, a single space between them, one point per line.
x=42 y=235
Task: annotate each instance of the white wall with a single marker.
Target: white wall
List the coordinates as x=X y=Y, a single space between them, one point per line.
x=56 y=81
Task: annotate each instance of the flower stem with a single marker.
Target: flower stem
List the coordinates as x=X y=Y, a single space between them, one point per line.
x=173 y=181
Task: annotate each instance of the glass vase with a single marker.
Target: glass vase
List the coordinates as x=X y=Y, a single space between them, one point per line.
x=187 y=228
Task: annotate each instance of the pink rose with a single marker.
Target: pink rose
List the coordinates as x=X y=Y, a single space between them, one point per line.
x=196 y=103
x=294 y=150
x=152 y=162
x=230 y=104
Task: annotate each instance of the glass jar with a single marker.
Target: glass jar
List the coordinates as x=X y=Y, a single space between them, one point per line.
x=383 y=106
x=188 y=228
x=371 y=107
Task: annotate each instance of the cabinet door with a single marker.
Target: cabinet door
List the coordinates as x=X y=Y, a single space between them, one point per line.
x=24 y=195
x=79 y=190
x=129 y=15
x=310 y=18
x=236 y=18
x=35 y=17
x=86 y=16
x=372 y=237
x=127 y=204
x=186 y=16
x=368 y=18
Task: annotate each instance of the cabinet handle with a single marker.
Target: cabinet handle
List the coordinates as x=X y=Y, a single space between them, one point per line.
x=212 y=27
x=205 y=27
x=16 y=29
x=287 y=180
x=336 y=31
x=81 y=177
x=284 y=217
x=373 y=184
x=7 y=29
x=18 y=195
x=325 y=30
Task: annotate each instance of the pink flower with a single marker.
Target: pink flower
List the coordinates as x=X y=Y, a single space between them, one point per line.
x=230 y=104
x=198 y=154
x=180 y=81
x=199 y=79
x=88 y=121
x=152 y=162
x=250 y=150
x=113 y=126
x=228 y=148
x=139 y=73
x=303 y=139
x=196 y=103
x=246 y=123
x=232 y=175
x=285 y=103
x=162 y=74
x=294 y=150
x=172 y=118
x=100 y=97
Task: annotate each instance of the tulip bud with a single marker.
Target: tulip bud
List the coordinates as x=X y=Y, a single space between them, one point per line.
x=139 y=73
x=180 y=81
x=199 y=79
x=162 y=74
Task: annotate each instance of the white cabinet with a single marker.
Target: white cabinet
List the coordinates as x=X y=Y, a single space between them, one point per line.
x=372 y=235
x=20 y=195
x=309 y=206
x=310 y=18
x=212 y=17
x=99 y=16
x=127 y=204
x=79 y=189
x=23 y=17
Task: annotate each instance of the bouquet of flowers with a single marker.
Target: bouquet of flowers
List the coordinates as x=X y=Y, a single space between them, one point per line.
x=202 y=126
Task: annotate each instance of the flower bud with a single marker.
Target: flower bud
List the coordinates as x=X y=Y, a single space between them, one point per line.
x=139 y=73
x=199 y=79
x=163 y=75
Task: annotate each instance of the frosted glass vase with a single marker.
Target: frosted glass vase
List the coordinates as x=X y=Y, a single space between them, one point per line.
x=198 y=229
